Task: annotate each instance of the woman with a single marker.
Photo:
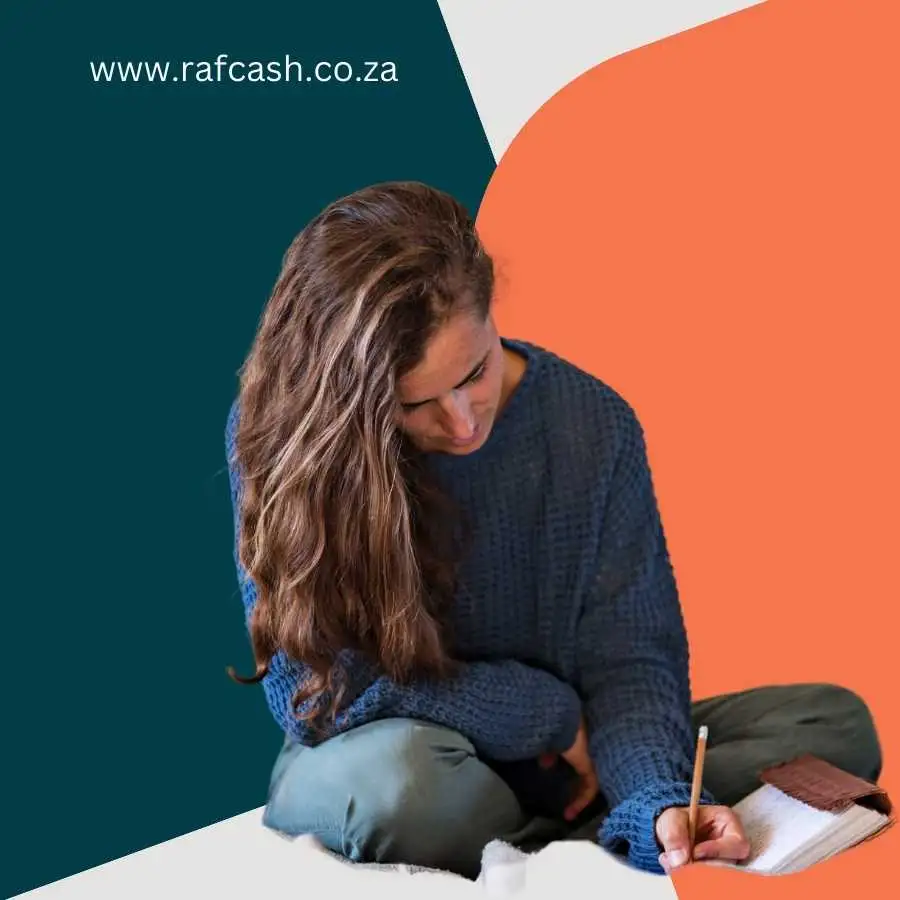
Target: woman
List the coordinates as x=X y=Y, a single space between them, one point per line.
x=456 y=581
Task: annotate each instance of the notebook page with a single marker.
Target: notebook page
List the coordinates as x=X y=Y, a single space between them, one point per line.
x=780 y=827
x=856 y=824
x=832 y=841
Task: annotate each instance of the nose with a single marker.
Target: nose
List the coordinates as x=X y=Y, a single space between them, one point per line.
x=459 y=420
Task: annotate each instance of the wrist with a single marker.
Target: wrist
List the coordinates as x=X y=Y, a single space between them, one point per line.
x=570 y=722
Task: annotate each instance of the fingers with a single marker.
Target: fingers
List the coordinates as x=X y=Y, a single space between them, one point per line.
x=673 y=833
x=725 y=840
x=588 y=789
x=724 y=837
x=677 y=863
x=673 y=859
x=729 y=846
x=578 y=755
x=579 y=758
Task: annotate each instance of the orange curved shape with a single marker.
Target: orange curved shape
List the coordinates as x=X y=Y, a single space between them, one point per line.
x=710 y=225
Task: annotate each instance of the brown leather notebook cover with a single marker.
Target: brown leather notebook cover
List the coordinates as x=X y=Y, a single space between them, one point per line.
x=821 y=785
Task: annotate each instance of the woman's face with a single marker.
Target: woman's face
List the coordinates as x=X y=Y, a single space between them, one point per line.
x=450 y=400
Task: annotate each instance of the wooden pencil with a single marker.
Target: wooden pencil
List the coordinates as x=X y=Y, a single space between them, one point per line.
x=697 y=785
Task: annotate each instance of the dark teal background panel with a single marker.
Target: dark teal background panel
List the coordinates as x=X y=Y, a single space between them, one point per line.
x=143 y=227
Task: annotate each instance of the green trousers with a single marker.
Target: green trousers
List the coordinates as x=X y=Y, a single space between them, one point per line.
x=399 y=790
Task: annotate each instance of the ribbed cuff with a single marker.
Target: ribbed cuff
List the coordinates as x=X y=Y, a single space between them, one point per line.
x=630 y=828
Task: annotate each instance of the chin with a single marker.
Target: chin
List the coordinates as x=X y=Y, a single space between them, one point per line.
x=478 y=440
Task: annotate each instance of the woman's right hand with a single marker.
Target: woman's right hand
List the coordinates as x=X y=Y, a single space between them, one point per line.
x=579 y=758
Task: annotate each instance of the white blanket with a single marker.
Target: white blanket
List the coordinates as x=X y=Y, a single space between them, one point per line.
x=240 y=858
x=505 y=873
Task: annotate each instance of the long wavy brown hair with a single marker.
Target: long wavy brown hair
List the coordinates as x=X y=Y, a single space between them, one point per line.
x=349 y=543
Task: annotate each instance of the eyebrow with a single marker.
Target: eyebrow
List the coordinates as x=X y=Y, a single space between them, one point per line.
x=468 y=378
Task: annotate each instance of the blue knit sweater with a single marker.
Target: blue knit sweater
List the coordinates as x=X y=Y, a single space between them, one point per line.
x=567 y=605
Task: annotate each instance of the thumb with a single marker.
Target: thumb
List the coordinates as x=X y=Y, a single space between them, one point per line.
x=672 y=831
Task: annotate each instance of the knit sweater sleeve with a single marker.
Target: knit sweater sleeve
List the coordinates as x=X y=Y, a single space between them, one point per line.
x=483 y=701
x=636 y=690
x=508 y=710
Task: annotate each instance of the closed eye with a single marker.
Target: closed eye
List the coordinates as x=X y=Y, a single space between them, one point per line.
x=477 y=375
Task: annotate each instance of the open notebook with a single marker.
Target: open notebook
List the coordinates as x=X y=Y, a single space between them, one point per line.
x=806 y=811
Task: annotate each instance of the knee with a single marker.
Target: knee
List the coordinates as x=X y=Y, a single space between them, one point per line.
x=391 y=791
x=398 y=810
x=853 y=719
